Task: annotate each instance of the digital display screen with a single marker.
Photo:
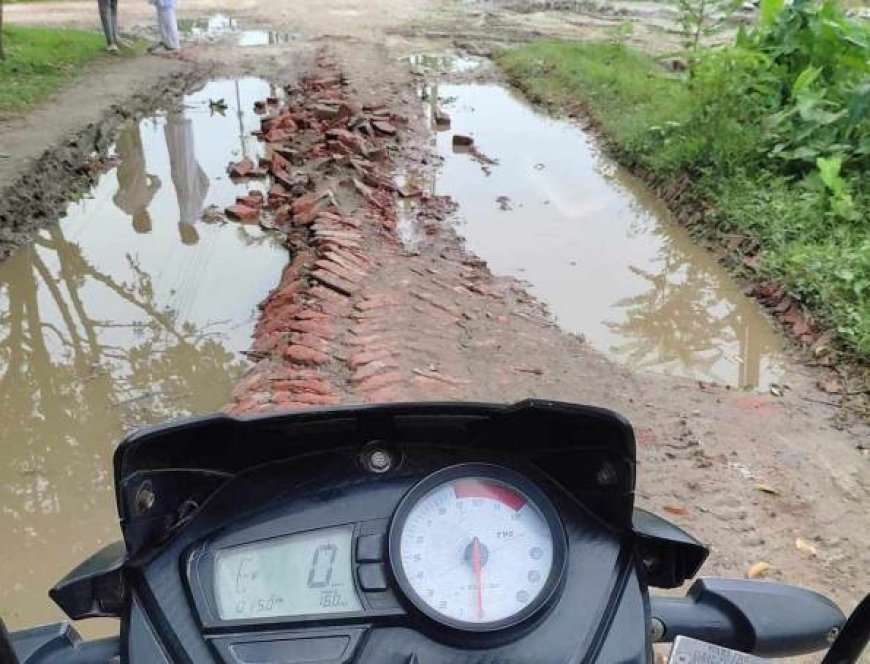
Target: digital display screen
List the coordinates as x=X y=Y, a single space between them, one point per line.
x=302 y=574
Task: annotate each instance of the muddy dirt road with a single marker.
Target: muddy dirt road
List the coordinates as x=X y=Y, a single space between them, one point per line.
x=401 y=295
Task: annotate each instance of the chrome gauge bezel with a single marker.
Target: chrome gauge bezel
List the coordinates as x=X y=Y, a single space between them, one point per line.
x=513 y=479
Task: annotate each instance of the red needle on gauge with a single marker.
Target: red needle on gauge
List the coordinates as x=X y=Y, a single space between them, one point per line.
x=477 y=568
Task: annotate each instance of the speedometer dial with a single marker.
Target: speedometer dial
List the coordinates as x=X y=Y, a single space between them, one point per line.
x=477 y=547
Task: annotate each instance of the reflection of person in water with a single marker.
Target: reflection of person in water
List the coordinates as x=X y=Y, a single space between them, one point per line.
x=136 y=188
x=191 y=182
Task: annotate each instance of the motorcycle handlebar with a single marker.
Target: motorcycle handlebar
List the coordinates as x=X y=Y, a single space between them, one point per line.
x=56 y=644
x=765 y=619
x=98 y=651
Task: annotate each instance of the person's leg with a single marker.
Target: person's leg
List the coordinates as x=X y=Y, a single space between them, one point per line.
x=169 y=27
x=114 y=7
x=106 y=20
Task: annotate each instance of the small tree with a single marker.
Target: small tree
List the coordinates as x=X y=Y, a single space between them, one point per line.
x=2 y=51
x=703 y=18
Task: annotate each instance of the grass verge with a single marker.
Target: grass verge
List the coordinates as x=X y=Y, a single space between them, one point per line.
x=783 y=231
x=40 y=60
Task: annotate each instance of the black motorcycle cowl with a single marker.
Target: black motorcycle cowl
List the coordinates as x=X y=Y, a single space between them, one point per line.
x=165 y=473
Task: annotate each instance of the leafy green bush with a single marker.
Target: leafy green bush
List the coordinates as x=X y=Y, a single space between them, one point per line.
x=798 y=84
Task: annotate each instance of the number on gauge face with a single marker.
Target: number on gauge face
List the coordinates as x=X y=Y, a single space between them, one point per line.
x=478 y=550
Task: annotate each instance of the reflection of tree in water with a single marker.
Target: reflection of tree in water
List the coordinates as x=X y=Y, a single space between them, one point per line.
x=682 y=320
x=72 y=381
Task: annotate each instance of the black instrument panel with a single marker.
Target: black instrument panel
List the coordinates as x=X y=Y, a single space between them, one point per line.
x=327 y=487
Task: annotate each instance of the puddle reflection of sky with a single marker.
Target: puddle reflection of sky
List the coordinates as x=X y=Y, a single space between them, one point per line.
x=596 y=246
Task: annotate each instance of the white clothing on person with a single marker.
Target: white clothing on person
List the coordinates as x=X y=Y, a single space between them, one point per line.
x=167 y=23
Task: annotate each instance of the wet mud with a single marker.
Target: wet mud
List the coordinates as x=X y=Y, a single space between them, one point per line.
x=130 y=310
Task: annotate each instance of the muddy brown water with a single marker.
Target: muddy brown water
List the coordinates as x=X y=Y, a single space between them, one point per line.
x=539 y=201
x=131 y=310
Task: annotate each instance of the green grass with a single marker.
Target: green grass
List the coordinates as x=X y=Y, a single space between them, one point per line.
x=39 y=60
x=648 y=115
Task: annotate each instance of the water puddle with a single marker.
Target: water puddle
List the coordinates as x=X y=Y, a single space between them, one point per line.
x=539 y=202
x=265 y=37
x=131 y=310
x=443 y=63
x=219 y=27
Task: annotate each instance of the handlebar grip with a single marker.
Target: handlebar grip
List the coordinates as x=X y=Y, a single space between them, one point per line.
x=758 y=617
x=99 y=651
x=59 y=643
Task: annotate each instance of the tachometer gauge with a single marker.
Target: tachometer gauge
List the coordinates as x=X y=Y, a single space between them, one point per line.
x=477 y=547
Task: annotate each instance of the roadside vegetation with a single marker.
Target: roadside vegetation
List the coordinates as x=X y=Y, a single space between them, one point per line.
x=39 y=60
x=768 y=136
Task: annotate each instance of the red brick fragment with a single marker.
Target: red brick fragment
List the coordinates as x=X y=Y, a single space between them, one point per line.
x=376 y=302
x=366 y=357
x=300 y=386
x=266 y=343
x=318 y=328
x=282 y=217
x=384 y=127
x=241 y=169
x=242 y=213
x=335 y=283
x=351 y=276
x=307 y=217
x=369 y=370
x=349 y=256
x=292 y=373
x=373 y=341
x=316 y=399
x=311 y=340
x=254 y=199
x=381 y=380
x=306 y=202
x=305 y=355
x=278 y=164
x=327 y=298
x=277 y=135
x=311 y=314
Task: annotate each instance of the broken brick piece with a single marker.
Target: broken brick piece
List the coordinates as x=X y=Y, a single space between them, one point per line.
x=334 y=282
x=310 y=340
x=369 y=370
x=278 y=163
x=365 y=357
x=305 y=355
x=242 y=213
x=309 y=326
x=241 y=169
x=384 y=127
x=380 y=380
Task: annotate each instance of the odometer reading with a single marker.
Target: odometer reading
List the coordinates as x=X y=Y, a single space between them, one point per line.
x=476 y=550
x=304 y=574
